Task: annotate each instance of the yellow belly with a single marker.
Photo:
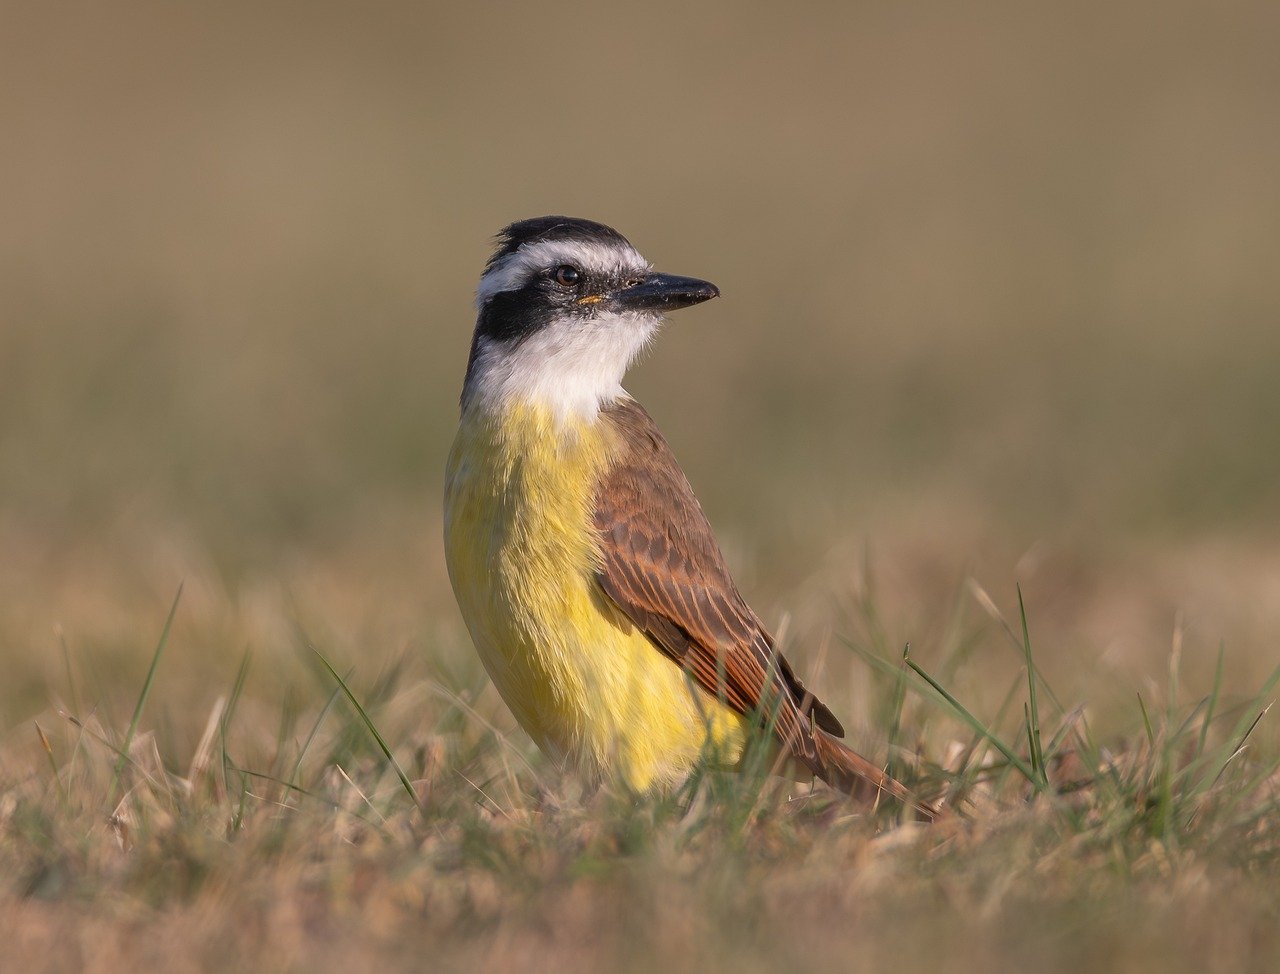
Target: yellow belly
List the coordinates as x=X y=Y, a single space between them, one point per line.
x=581 y=680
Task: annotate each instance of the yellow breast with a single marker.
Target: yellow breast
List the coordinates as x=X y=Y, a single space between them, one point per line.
x=522 y=554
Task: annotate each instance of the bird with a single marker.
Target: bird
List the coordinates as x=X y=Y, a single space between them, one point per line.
x=584 y=567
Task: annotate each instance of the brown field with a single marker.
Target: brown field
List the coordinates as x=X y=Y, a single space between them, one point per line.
x=1000 y=308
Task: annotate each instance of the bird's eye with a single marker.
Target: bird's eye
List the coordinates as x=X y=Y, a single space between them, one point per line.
x=566 y=275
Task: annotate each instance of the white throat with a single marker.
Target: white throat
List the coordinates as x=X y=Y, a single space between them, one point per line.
x=572 y=367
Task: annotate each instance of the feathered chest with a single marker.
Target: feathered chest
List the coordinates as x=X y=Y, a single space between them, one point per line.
x=524 y=548
x=519 y=497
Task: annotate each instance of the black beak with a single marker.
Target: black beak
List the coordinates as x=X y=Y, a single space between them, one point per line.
x=666 y=292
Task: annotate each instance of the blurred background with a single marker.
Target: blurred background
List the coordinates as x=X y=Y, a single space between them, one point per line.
x=1000 y=305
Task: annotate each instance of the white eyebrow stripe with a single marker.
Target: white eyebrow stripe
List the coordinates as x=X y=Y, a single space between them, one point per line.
x=515 y=270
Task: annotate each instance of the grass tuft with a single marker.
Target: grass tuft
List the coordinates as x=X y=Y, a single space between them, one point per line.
x=283 y=819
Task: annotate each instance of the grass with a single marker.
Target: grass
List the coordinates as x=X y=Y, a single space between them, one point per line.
x=405 y=825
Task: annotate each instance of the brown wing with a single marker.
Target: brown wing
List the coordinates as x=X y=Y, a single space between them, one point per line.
x=663 y=569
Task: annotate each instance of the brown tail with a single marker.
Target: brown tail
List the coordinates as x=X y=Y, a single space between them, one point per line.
x=860 y=779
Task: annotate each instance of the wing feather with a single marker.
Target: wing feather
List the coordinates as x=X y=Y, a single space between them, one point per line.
x=661 y=566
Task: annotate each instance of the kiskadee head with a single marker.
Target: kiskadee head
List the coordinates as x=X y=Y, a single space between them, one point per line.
x=565 y=306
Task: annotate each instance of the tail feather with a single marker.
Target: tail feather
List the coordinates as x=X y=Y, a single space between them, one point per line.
x=858 y=778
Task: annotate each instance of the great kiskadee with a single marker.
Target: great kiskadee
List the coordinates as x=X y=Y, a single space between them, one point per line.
x=586 y=572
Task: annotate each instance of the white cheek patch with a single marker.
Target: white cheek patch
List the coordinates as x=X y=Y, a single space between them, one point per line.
x=516 y=270
x=573 y=366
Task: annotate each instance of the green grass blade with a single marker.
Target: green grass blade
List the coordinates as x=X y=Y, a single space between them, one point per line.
x=373 y=730
x=315 y=728
x=892 y=670
x=1033 y=708
x=233 y=699
x=1009 y=754
x=142 y=698
x=895 y=712
x=1212 y=705
x=1034 y=758
x=73 y=693
x=321 y=799
x=1019 y=644
x=1146 y=723
x=970 y=769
